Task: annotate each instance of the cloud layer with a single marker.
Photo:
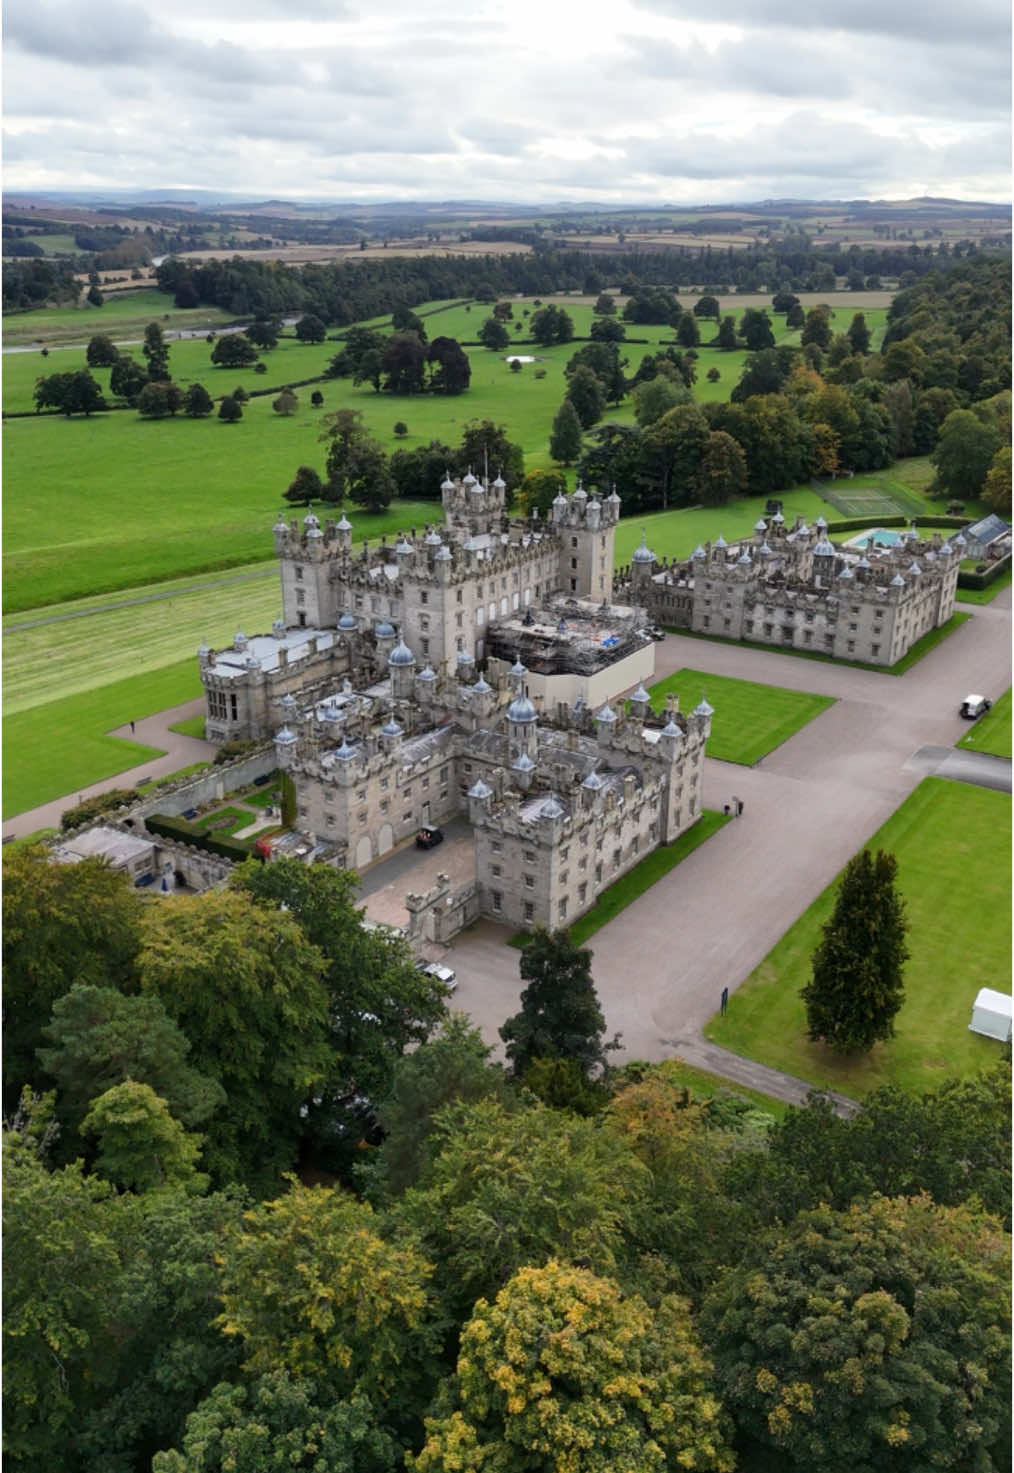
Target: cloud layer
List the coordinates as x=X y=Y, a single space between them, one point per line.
x=649 y=100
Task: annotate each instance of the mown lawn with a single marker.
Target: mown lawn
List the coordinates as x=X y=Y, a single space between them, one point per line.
x=992 y=732
x=750 y=719
x=60 y=747
x=953 y=846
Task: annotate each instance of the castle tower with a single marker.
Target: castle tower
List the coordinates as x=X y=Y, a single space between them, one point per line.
x=309 y=597
x=401 y=667
x=587 y=531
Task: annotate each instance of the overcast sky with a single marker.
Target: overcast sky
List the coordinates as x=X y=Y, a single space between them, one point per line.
x=648 y=100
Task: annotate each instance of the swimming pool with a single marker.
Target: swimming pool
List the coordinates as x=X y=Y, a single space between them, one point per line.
x=882 y=537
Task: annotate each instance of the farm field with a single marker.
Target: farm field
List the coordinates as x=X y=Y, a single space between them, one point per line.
x=992 y=732
x=750 y=719
x=953 y=846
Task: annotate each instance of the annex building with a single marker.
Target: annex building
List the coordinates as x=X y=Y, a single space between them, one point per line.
x=369 y=686
x=794 y=589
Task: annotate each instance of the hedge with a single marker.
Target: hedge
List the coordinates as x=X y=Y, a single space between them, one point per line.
x=983 y=580
x=174 y=828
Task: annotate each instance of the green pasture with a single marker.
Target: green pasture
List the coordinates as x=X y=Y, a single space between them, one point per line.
x=54 y=245
x=193 y=726
x=61 y=747
x=953 y=846
x=992 y=732
x=123 y=315
x=750 y=719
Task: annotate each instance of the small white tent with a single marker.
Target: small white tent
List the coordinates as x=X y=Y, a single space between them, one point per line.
x=991 y=1015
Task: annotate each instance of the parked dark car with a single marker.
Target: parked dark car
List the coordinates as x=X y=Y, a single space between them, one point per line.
x=429 y=838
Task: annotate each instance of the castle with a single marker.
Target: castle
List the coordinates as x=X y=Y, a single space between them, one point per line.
x=369 y=686
x=793 y=589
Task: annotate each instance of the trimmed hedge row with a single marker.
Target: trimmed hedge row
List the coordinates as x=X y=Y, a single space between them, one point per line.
x=175 y=828
x=983 y=580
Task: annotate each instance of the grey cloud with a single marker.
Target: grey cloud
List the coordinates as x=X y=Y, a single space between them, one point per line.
x=987 y=21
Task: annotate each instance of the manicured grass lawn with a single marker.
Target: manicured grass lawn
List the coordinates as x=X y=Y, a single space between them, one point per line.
x=634 y=883
x=60 y=747
x=992 y=732
x=919 y=649
x=192 y=727
x=750 y=719
x=984 y=595
x=953 y=845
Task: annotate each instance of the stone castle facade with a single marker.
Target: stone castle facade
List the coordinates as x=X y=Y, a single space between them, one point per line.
x=794 y=589
x=369 y=685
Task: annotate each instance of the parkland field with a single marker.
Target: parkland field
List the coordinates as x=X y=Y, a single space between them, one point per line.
x=129 y=541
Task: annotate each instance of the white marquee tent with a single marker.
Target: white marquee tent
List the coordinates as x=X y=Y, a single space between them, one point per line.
x=991 y=1015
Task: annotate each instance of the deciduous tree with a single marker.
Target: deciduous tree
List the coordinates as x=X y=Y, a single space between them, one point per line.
x=278 y=1421
x=450 y=370
x=245 y=986
x=721 y=474
x=869 y=1338
x=310 y=329
x=74 y=392
x=507 y=1186
x=101 y=352
x=539 y=490
x=62 y=923
x=563 y=1371
x=727 y=334
x=310 y=1286
x=233 y=350
x=494 y=335
x=139 y=1145
x=286 y=404
x=964 y=453
x=127 y=378
x=755 y=330
x=856 y=988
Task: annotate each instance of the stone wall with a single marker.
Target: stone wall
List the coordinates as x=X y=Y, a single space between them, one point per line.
x=441 y=912
x=210 y=786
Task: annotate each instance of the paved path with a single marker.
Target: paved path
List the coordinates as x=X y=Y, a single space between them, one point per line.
x=661 y=964
x=179 y=751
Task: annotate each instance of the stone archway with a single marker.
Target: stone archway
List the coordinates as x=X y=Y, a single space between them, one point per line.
x=385 y=839
x=364 y=852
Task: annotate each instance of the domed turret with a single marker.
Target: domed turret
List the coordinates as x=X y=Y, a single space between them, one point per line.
x=384 y=630
x=643 y=554
x=401 y=655
x=348 y=623
x=311 y=526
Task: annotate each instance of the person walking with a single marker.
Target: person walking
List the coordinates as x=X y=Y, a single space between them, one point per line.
x=739 y=807
x=131 y=728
